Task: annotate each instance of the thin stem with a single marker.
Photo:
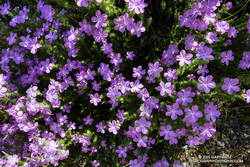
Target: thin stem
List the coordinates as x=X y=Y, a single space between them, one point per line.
x=237 y=11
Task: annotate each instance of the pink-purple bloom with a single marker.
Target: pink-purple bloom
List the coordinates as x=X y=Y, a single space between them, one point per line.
x=124 y=22
x=202 y=70
x=154 y=69
x=185 y=96
x=171 y=75
x=138 y=28
x=173 y=111
x=95 y=99
x=206 y=83
x=142 y=125
x=138 y=72
x=136 y=5
x=231 y=85
x=246 y=96
x=4 y=8
x=192 y=115
x=20 y=18
x=47 y=12
x=211 y=112
x=113 y=127
x=211 y=37
x=82 y=3
x=204 y=53
x=184 y=58
x=166 y=88
x=99 y=19
x=226 y=57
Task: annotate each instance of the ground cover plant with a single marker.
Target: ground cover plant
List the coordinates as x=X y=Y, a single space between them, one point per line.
x=108 y=83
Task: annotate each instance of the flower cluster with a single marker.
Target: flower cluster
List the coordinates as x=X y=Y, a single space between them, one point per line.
x=67 y=88
x=124 y=22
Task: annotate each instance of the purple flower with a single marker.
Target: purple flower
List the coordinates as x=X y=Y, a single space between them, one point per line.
x=3 y=89
x=20 y=18
x=99 y=19
x=206 y=83
x=83 y=3
x=115 y=59
x=107 y=48
x=168 y=55
x=190 y=43
x=202 y=70
x=124 y=86
x=204 y=53
x=12 y=38
x=143 y=94
x=47 y=12
x=185 y=96
x=211 y=112
x=193 y=141
x=246 y=96
x=12 y=160
x=136 y=5
x=138 y=72
x=141 y=140
x=211 y=37
x=142 y=125
x=165 y=88
x=130 y=55
x=100 y=128
x=30 y=44
x=230 y=85
x=4 y=8
x=228 y=42
x=96 y=86
x=123 y=22
x=191 y=77
x=52 y=36
x=100 y=36
x=88 y=120
x=207 y=131
x=121 y=115
x=161 y=163
x=113 y=127
x=171 y=74
x=173 y=111
x=95 y=99
x=245 y=61
x=192 y=115
x=154 y=69
x=226 y=57
x=136 y=86
x=105 y=72
x=168 y=134
x=184 y=58
x=229 y=5
x=232 y=32
x=52 y=94
x=32 y=92
x=121 y=151
x=86 y=27
x=137 y=28
x=222 y=26
x=95 y=163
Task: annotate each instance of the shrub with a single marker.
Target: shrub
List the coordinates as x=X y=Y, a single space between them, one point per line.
x=117 y=83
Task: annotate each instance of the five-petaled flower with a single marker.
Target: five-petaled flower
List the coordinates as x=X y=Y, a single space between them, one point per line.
x=230 y=85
